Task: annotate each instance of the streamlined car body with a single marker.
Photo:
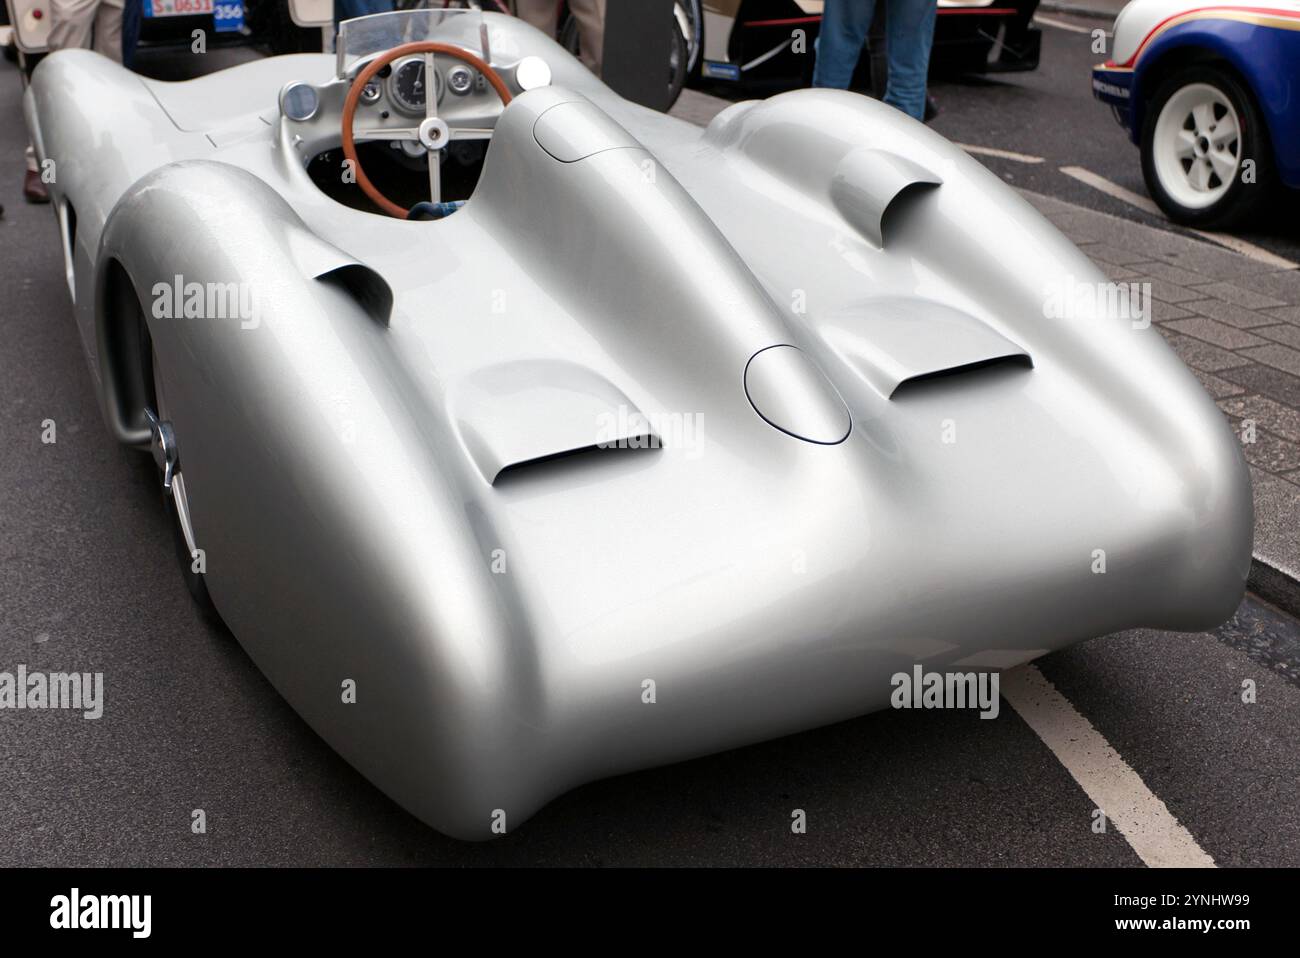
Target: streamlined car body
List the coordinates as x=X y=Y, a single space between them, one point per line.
x=652 y=442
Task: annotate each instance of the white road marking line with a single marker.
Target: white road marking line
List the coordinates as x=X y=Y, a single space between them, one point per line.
x=1112 y=189
x=1061 y=24
x=1142 y=818
x=1003 y=154
x=1257 y=253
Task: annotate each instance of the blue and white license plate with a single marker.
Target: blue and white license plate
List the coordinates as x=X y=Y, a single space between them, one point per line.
x=227 y=15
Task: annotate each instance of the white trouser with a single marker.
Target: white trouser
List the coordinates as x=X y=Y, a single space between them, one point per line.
x=89 y=24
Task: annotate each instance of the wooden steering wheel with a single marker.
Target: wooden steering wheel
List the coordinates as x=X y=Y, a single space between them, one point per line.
x=432 y=133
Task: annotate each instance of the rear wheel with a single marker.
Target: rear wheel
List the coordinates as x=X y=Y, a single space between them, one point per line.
x=1205 y=151
x=679 y=55
x=175 y=499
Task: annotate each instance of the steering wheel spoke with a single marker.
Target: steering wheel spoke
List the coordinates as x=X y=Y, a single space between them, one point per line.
x=435 y=177
x=380 y=133
x=430 y=87
x=471 y=133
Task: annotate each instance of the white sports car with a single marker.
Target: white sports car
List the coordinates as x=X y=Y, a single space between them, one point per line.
x=524 y=436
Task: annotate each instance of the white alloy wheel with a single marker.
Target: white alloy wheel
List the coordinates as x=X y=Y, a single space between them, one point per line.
x=1197 y=145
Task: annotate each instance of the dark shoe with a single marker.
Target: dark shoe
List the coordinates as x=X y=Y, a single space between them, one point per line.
x=931 y=109
x=34 y=189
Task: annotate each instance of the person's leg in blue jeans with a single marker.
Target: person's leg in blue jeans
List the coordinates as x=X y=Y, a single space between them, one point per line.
x=843 y=34
x=909 y=33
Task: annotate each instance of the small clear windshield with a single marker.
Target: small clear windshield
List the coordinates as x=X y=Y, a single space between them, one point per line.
x=363 y=36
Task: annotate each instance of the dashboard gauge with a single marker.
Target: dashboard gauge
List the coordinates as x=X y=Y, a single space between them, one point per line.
x=460 y=79
x=407 y=86
x=298 y=101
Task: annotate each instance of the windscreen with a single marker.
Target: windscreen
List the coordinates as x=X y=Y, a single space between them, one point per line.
x=382 y=31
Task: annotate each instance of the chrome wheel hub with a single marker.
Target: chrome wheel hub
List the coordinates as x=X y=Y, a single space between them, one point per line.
x=162 y=443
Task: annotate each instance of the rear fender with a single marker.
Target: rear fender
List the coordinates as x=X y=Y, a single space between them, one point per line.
x=205 y=229
x=339 y=544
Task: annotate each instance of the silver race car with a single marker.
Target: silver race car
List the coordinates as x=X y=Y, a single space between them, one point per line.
x=524 y=436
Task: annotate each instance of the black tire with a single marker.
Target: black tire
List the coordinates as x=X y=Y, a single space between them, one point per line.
x=676 y=68
x=695 y=13
x=194 y=581
x=1241 y=199
x=569 y=39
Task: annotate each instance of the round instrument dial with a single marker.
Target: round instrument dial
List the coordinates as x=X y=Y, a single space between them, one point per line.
x=461 y=79
x=299 y=101
x=407 y=87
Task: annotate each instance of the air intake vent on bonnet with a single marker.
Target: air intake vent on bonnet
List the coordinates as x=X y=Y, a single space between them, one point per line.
x=896 y=342
x=980 y=366
x=521 y=416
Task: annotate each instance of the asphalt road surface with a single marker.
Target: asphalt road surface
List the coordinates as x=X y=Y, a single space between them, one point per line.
x=88 y=582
